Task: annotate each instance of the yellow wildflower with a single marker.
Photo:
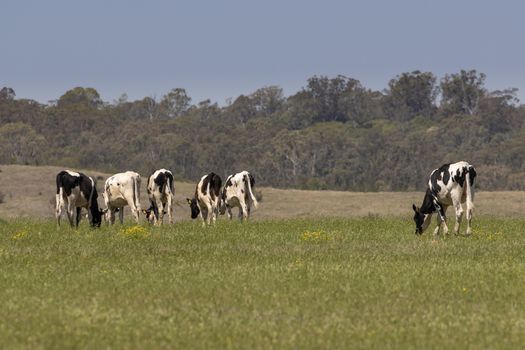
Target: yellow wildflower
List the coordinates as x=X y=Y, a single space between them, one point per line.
x=19 y=235
x=135 y=232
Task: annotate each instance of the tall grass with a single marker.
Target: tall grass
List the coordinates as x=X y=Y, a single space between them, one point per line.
x=324 y=283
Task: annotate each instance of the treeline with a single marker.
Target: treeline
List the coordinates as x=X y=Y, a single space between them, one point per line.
x=333 y=134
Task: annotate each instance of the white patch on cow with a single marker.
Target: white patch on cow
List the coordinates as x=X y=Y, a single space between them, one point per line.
x=73 y=173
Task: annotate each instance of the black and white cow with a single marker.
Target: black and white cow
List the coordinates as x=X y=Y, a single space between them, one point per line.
x=451 y=184
x=238 y=192
x=120 y=190
x=74 y=192
x=160 y=192
x=206 y=199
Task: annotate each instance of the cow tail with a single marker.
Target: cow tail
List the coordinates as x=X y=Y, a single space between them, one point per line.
x=92 y=192
x=136 y=193
x=254 y=200
x=469 y=180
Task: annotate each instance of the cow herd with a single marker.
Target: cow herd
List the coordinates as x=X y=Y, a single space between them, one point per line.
x=75 y=191
x=449 y=185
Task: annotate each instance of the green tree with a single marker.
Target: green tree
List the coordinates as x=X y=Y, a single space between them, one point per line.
x=7 y=93
x=411 y=94
x=175 y=102
x=268 y=100
x=462 y=92
x=82 y=96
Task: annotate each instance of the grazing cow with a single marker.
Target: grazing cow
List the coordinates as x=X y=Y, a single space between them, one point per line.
x=120 y=190
x=451 y=184
x=160 y=193
x=206 y=200
x=77 y=191
x=238 y=192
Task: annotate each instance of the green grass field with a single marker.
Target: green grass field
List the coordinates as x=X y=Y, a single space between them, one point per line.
x=296 y=283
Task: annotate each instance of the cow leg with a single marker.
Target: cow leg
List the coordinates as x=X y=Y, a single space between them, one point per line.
x=70 y=213
x=444 y=219
x=204 y=215
x=229 y=210
x=170 y=208
x=79 y=210
x=240 y=214
x=134 y=212
x=469 y=222
x=215 y=209
x=438 y=227
x=121 y=215
x=90 y=215
x=244 y=210
x=459 y=216
x=58 y=209
x=111 y=213
x=160 y=212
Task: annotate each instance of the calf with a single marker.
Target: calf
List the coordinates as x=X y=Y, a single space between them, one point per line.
x=451 y=184
x=120 y=190
x=77 y=191
x=206 y=199
x=238 y=192
x=160 y=192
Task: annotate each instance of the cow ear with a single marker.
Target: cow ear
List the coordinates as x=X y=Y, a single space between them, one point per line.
x=104 y=211
x=144 y=211
x=416 y=209
x=188 y=200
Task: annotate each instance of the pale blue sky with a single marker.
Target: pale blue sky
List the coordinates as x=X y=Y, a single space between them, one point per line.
x=220 y=49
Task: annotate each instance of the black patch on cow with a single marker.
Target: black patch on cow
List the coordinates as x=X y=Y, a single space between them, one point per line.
x=446 y=175
x=459 y=176
x=472 y=175
x=427 y=207
x=215 y=183
x=428 y=203
x=160 y=181
x=252 y=180
x=96 y=214
x=67 y=182
x=442 y=174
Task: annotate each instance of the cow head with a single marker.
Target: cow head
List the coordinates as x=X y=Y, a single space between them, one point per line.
x=104 y=215
x=421 y=220
x=96 y=216
x=150 y=216
x=194 y=207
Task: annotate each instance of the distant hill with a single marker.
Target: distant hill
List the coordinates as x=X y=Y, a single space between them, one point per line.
x=29 y=191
